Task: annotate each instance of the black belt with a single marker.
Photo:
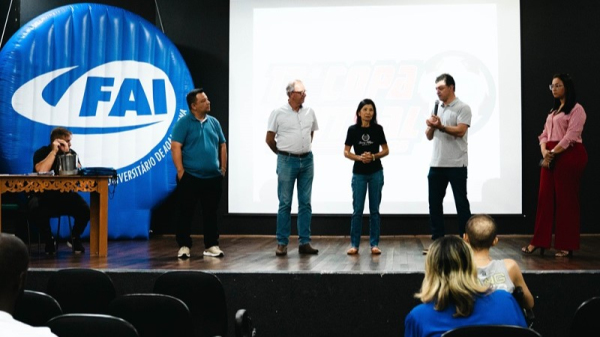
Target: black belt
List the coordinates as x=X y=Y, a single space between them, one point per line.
x=302 y=155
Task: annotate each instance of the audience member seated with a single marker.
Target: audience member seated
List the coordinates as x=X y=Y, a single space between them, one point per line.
x=452 y=295
x=504 y=274
x=43 y=206
x=14 y=261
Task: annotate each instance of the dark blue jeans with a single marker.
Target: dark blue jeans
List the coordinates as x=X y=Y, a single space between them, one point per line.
x=438 y=178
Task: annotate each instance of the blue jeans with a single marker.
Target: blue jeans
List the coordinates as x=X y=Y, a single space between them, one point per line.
x=438 y=178
x=360 y=183
x=289 y=170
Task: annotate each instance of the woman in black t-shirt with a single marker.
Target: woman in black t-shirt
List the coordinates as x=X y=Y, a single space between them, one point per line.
x=367 y=137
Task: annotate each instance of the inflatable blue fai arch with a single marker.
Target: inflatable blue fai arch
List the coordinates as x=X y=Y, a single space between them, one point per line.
x=114 y=80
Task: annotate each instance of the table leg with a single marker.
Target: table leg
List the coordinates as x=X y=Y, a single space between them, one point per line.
x=0 y=213
x=94 y=222
x=103 y=218
x=99 y=220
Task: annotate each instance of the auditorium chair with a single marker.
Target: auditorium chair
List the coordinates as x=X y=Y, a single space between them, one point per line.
x=91 y=325
x=587 y=318
x=154 y=315
x=82 y=290
x=36 y=308
x=243 y=324
x=528 y=313
x=491 y=331
x=204 y=295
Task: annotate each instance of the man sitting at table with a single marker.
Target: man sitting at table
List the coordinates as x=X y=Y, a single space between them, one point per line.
x=48 y=204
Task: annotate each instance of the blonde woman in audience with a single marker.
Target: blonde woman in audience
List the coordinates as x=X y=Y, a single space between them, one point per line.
x=452 y=295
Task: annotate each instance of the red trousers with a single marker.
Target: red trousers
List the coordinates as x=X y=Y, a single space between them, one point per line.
x=558 y=200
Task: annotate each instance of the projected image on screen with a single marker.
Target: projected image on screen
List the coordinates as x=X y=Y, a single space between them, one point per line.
x=392 y=54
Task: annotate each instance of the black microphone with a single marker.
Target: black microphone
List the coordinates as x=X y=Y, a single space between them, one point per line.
x=436 y=107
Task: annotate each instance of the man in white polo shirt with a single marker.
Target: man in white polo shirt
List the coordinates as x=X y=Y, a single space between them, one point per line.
x=289 y=135
x=448 y=127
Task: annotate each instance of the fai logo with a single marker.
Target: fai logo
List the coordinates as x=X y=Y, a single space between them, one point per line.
x=114 y=80
x=125 y=105
x=114 y=97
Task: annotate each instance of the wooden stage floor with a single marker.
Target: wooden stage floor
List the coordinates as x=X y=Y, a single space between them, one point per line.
x=256 y=254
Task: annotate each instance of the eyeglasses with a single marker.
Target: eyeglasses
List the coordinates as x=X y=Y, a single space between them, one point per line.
x=555 y=86
x=302 y=93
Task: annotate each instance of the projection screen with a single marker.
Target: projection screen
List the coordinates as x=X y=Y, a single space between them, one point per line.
x=391 y=52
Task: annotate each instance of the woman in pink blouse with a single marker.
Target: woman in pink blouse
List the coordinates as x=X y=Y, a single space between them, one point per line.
x=562 y=167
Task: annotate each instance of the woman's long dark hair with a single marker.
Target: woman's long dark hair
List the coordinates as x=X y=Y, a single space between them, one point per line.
x=570 y=96
x=366 y=101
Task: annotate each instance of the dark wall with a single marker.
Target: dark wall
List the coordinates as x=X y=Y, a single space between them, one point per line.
x=559 y=36
x=556 y=36
x=9 y=14
x=32 y=8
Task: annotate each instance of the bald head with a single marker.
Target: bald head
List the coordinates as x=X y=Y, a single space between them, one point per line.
x=481 y=231
x=14 y=260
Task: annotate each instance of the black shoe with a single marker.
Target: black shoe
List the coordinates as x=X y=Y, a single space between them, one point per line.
x=307 y=249
x=50 y=248
x=529 y=251
x=76 y=245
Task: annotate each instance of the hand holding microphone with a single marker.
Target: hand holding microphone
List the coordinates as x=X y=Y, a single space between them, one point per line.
x=434 y=119
x=434 y=122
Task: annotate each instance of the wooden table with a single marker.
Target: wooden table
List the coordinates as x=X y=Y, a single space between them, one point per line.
x=97 y=186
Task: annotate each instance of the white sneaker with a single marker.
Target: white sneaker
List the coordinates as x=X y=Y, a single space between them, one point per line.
x=214 y=251
x=184 y=252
